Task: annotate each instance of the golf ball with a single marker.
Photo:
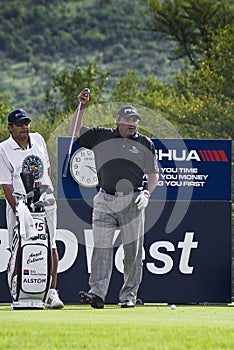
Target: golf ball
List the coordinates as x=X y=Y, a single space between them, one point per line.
x=173 y=307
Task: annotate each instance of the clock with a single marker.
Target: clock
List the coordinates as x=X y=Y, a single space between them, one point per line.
x=83 y=169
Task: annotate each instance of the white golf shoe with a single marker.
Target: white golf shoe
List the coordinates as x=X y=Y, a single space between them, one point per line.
x=53 y=301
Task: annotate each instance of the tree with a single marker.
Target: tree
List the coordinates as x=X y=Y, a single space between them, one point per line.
x=61 y=99
x=200 y=104
x=205 y=96
x=4 y=111
x=190 y=24
x=4 y=133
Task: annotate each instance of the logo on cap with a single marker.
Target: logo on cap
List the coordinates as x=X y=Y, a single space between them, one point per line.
x=130 y=110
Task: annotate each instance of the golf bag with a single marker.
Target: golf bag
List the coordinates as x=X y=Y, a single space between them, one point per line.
x=29 y=267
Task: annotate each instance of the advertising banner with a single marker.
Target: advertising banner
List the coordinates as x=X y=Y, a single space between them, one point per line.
x=194 y=169
x=189 y=170
x=192 y=264
x=187 y=249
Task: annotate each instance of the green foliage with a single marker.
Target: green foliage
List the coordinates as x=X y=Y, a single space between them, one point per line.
x=190 y=23
x=204 y=97
x=61 y=99
x=50 y=37
x=4 y=133
x=4 y=111
x=70 y=83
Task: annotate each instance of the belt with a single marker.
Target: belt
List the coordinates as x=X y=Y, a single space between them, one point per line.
x=117 y=194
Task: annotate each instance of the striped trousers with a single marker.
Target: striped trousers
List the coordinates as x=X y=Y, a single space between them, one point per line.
x=111 y=213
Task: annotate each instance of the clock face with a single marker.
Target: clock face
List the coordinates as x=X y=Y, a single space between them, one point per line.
x=83 y=169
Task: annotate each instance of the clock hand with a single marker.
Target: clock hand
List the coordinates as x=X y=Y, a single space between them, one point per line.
x=91 y=168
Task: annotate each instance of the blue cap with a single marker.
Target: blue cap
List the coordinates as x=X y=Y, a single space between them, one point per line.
x=17 y=116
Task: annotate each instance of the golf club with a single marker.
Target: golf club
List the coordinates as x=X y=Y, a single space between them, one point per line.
x=87 y=91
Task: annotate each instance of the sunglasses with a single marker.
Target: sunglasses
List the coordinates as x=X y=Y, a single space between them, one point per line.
x=25 y=122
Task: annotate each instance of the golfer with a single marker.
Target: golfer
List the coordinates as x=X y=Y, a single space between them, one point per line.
x=123 y=157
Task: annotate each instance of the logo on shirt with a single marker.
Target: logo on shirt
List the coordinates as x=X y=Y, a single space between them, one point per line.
x=134 y=150
x=33 y=163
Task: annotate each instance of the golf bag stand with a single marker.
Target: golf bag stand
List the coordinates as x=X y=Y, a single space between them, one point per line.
x=29 y=267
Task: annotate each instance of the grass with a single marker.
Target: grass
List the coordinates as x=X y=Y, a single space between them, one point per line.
x=148 y=327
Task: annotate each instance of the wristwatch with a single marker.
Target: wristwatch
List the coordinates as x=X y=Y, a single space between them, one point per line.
x=83 y=169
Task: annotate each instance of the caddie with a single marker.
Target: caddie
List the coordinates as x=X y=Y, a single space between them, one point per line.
x=23 y=152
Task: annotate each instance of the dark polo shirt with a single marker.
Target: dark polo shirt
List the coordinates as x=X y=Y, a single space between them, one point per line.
x=121 y=163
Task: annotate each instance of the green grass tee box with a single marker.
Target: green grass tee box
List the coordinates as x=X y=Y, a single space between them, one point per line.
x=148 y=327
